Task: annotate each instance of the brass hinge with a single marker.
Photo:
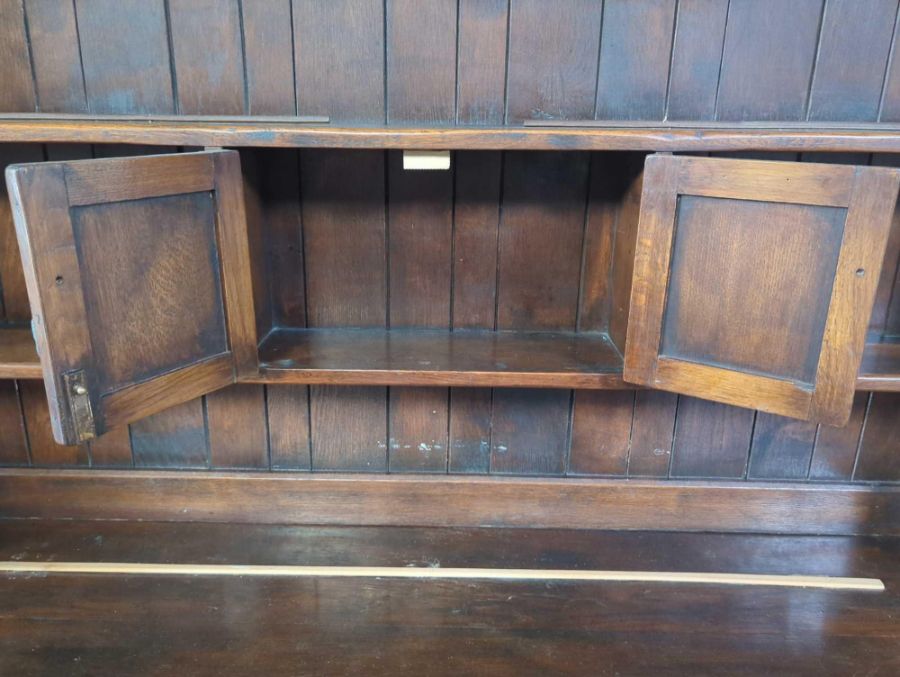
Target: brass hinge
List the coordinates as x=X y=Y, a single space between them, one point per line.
x=79 y=400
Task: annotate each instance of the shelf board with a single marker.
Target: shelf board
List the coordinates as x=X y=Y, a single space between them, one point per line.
x=437 y=357
x=315 y=132
x=18 y=358
x=880 y=368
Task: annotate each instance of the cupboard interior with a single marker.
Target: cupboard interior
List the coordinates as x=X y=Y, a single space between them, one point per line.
x=510 y=269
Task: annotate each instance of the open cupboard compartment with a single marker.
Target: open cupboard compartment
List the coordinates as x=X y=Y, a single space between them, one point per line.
x=152 y=279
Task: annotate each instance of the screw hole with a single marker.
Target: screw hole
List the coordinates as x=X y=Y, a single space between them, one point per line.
x=860 y=272
x=59 y=280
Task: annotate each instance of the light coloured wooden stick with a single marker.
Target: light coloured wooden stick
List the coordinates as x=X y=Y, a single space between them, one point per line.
x=139 y=568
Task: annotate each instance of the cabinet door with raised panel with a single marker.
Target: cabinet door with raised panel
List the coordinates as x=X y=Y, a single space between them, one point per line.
x=138 y=277
x=754 y=281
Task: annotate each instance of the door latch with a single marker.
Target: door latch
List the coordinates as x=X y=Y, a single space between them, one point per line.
x=79 y=401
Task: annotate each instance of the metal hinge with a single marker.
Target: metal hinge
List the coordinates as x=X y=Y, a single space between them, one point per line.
x=79 y=400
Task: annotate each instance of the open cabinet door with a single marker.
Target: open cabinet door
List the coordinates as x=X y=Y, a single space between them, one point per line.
x=754 y=281
x=138 y=276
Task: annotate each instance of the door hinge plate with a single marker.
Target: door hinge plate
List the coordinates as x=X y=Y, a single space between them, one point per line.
x=79 y=400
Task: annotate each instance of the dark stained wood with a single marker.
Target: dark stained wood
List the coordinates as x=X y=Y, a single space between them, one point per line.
x=538 y=42
x=343 y=192
x=767 y=60
x=889 y=110
x=268 y=57
x=455 y=501
x=43 y=449
x=236 y=421
x=470 y=430
x=635 y=51
x=652 y=433
x=852 y=57
x=434 y=357
x=56 y=57
x=119 y=39
x=529 y=433
x=421 y=61
x=601 y=432
x=173 y=438
x=880 y=368
x=782 y=448
x=349 y=428
x=834 y=454
x=418 y=429
x=339 y=59
x=696 y=59
x=711 y=439
x=287 y=416
x=538 y=285
x=481 y=67
x=113 y=450
x=209 y=72
x=888 y=282
x=16 y=83
x=13 y=443
x=623 y=253
x=878 y=457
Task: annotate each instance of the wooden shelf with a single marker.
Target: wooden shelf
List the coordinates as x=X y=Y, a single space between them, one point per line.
x=434 y=357
x=18 y=358
x=312 y=132
x=437 y=357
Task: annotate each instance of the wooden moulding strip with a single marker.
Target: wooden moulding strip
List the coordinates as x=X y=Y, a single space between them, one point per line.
x=449 y=501
x=677 y=577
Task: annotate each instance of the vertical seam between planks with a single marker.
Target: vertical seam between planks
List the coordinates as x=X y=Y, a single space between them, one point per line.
x=748 y=457
x=888 y=64
x=579 y=295
x=294 y=64
x=309 y=431
x=456 y=82
x=490 y=459
x=301 y=226
x=499 y=230
x=812 y=453
x=452 y=238
x=384 y=57
x=205 y=409
x=672 y=441
x=170 y=42
x=567 y=450
x=630 y=433
x=130 y=445
x=265 y=393
x=815 y=63
x=665 y=115
x=506 y=69
x=862 y=434
x=597 y=64
x=81 y=61
x=27 y=31
x=721 y=61
x=23 y=423
x=387 y=242
x=243 y=39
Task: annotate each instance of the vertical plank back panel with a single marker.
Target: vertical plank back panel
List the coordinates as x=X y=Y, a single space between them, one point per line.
x=834 y=454
x=174 y=438
x=481 y=65
x=652 y=432
x=13 y=443
x=43 y=449
x=288 y=422
x=269 y=57
x=56 y=57
x=781 y=449
x=530 y=431
x=878 y=458
x=236 y=419
x=711 y=439
x=16 y=83
x=601 y=432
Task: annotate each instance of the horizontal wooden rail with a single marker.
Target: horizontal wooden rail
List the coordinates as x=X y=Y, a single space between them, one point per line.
x=584 y=136
x=449 y=501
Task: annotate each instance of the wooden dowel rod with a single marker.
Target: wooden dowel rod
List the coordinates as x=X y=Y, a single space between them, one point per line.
x=139 y=568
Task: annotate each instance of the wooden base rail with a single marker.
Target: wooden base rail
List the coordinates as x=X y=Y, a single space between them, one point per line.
x=454 y=501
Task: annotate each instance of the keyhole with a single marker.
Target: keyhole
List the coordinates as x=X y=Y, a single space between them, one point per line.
x=59 y=280
x=860 y=272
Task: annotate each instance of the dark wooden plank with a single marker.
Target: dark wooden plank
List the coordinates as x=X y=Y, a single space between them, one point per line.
x=18 y=357
x=16 y=80
x=174 y=438
x=56 y=56
x=287 y=409
x=711 y=439
x=539 y=41
x=236 y=421
x=889 y=110
x=15 y=306
x=696 y=59
x=853 y=55
x=767 y=62
x=209 y=70
x=888 y=284
x=418 y=429
x=112 y=450
x=878 y=458
x=541 y=234
x=339 y=59
x=781 y=449
x=43 y=450
x=13 y=443
x=652 y=433
x=481 y=67
x=470 y=430
x=269 y=57
x=257 y=236
x=476 y=220
x=835 y=451
x=635 y=50
x=343 y=192
x=421 y=61
x=529 y=431
x=420 y=224
x=601 y=432
x=349 y=428
x=125 y=54
x=623 y=253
